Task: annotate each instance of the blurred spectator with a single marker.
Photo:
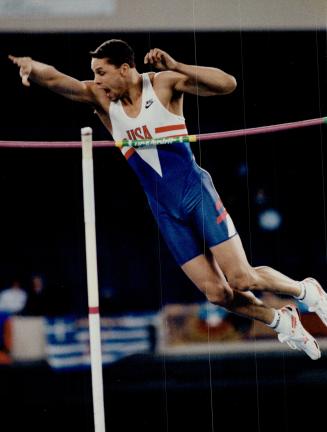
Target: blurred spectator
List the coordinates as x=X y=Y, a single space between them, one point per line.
x=5 y=339
x=13 y=299
x=261 y=197
x=37 y=301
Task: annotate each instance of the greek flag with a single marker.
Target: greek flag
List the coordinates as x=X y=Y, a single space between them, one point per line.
x=68 y=345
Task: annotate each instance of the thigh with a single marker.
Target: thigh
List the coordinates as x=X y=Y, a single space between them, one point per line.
x=204 y=271
x=180 y=236
x=231 y=257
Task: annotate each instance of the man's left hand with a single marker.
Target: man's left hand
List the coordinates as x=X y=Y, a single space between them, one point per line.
x=160 y=60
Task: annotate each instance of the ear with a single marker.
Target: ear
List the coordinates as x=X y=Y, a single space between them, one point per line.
x=124 y=69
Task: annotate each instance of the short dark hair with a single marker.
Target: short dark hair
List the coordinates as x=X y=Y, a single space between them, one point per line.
x=116 y=51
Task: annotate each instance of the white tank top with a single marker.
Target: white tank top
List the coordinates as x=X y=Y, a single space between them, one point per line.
x=153 y=121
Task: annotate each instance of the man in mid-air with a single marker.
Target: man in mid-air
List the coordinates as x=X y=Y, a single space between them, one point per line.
x=191 y=216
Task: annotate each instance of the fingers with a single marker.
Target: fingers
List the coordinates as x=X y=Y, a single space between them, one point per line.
x=154 y=56
x=25 y=81
x=25 y=68
x=20 y=61
x=17 y=60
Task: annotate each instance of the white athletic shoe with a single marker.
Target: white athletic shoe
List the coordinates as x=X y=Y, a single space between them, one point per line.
x=315 y=298
x=299 y=338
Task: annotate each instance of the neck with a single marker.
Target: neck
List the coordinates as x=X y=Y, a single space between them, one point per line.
x=134 y=89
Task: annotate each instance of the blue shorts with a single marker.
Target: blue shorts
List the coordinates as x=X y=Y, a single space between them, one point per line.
x=200 y=222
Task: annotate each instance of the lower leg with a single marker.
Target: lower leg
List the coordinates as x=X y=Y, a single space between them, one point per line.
x=205 y=273
x=272 y=280
x=208 y=277
x=246 y=303
x=232 y=260
x=249 y=306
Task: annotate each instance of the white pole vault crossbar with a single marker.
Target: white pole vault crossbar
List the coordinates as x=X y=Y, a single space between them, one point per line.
x=92 y=281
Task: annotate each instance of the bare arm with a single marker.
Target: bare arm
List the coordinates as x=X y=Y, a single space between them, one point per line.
x=49 y=77
x=204 y=81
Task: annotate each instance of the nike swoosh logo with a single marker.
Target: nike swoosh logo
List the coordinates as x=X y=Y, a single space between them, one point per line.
x=148 y=103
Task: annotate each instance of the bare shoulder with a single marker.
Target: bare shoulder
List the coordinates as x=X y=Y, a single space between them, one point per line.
x=165 y=78
x=164 y=86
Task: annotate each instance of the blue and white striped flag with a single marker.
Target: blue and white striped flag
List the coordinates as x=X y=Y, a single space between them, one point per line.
x=68 y=339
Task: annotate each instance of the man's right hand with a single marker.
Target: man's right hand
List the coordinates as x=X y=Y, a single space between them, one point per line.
x=25 y=67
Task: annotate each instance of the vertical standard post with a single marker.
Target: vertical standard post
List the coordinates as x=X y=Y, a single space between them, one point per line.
x=92 y=281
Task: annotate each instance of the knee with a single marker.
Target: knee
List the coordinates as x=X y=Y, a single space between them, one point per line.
x=243 y=280
x=218 y=293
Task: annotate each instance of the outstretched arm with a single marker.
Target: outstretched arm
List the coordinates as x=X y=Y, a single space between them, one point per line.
x=203 y=81
x=48 y=76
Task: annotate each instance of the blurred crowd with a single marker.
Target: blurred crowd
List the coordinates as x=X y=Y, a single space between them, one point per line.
x=30 y=300
x=33 y=297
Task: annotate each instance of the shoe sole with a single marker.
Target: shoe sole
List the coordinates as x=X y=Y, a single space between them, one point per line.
x=323 y=294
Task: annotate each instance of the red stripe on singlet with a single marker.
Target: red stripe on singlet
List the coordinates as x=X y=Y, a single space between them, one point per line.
x=170 y=128
x=129 y=153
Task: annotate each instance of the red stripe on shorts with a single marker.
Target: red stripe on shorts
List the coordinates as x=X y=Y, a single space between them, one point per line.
x=222 y=217
x=219 y=204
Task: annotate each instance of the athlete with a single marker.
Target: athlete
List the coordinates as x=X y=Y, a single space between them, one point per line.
x=181 y=195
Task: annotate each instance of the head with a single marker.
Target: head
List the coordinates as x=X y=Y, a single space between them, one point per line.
x=37 y=283
x=112 y=64
x=15 y=284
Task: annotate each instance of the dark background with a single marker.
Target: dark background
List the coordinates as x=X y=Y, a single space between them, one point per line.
x=281 y=77
x=249 y=392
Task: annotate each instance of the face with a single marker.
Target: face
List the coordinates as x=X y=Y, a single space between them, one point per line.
x=110 y=78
